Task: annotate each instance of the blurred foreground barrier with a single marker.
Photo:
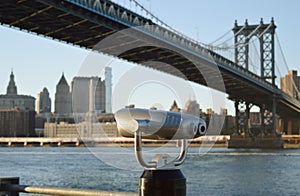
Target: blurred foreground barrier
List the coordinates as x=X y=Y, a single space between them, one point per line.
x=9 y=186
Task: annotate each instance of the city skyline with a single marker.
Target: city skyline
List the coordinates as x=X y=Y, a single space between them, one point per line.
x=12 y=89
x=62 y=81
x=39 y=62
x=68 y=96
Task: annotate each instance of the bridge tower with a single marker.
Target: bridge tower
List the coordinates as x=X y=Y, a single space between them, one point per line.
x=265 y=34
x=242 y=36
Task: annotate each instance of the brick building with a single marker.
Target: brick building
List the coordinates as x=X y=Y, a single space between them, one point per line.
x=17 y=123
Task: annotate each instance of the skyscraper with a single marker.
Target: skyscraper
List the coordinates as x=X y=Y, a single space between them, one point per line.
x=63 y=99
x=86 y=90
x=82 y=92
x=43 y=102
x=108 y=90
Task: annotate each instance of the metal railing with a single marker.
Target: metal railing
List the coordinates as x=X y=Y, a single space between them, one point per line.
x=9 y=186
x=163 y=31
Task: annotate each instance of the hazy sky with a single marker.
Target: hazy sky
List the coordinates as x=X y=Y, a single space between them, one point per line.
x=38 y=62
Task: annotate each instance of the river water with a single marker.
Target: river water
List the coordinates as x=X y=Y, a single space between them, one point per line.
x=216 y=171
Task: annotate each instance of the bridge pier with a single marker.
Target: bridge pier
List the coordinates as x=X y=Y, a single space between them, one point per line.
x=267 y=138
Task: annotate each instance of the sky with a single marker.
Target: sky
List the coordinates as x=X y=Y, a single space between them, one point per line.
x=38 y=62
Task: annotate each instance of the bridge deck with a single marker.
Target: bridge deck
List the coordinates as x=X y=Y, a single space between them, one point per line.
x=87 y=25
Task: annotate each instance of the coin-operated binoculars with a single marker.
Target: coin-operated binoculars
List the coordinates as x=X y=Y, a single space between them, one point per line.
x=162 y=175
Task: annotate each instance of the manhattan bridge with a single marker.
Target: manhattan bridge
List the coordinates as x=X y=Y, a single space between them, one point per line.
x=245 y=69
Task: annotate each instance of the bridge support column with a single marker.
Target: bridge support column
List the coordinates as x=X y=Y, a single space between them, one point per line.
x=236 y=106
x=268 y=120
x=262 y=117
x=248 y=123
x=274 y=111
x=242 y=117
x=280 y=125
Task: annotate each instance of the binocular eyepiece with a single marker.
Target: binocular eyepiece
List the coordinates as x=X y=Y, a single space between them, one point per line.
x=158 y=124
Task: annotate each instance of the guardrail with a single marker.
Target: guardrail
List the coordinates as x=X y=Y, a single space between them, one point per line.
x=9 y=186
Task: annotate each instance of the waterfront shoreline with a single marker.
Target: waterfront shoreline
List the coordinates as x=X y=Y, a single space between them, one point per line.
x=289 y=142
x=105 y=141
x=112 y=169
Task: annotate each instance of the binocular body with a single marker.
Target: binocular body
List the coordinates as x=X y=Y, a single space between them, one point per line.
x=158 y=124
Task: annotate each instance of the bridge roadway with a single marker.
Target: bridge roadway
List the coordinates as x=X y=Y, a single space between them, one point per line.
x=103 y=26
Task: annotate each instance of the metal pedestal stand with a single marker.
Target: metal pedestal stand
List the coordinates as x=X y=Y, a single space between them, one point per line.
x=161 y=176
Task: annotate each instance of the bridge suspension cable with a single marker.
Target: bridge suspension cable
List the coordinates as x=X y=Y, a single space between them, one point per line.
x=249 y=36
x=162 y=23
x=285 y=62
x=221 y=37
x=219 y=48
x=224 y=42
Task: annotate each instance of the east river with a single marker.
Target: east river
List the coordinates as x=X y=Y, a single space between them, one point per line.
x=216 y=171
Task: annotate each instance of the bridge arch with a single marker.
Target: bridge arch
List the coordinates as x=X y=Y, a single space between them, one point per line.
x=134 y=46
